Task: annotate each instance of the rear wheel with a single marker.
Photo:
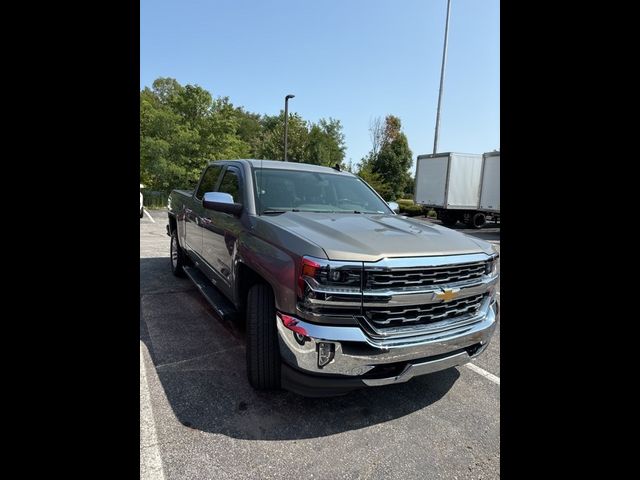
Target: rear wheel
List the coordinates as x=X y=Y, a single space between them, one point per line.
x=263 y=352
x=177 y=256
x=477 y=220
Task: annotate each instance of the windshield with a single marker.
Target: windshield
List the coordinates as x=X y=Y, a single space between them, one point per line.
x=291 y=190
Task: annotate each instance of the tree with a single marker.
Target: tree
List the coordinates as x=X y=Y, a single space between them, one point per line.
x=272 y=147
x=182 y=128
x=325 y=143
x=376 y=133
x=394 y=158
x=375 y=180
x=387 y=164
x=249 y=130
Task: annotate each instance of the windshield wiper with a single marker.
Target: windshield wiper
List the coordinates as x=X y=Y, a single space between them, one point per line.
x=276 y=212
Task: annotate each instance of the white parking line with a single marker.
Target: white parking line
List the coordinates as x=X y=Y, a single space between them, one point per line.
x=484 y=373
x=149 y=215
x=150 y=458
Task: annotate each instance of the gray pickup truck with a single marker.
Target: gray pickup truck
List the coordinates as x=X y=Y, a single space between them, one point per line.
x=338 y=291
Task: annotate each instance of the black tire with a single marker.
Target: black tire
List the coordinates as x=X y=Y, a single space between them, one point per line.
x=141 y=212
x=263 y=353
x=477 y=220
x=176 y=256
x=447 y=219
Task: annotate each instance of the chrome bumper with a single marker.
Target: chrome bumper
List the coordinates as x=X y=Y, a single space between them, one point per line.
x=357 y=354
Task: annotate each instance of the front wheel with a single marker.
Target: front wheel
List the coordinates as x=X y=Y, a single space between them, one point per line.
x=263 y=352
x=177 y=256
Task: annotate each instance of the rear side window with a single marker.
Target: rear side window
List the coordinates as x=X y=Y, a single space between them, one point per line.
x=231 y=185
x=209 y=180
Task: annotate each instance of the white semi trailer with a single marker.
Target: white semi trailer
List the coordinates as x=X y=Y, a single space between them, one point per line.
x=460 y=186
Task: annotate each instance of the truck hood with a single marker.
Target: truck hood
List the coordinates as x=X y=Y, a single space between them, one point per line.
x=368 y=238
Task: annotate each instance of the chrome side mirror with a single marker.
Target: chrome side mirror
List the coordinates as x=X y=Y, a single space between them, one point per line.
x=221 y=202
x=394 y=206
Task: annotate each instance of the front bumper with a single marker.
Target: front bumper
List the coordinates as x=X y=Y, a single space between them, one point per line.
x=359 y=360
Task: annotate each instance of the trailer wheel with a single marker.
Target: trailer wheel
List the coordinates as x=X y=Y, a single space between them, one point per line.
x=477 y=220
x=448 y=219
x=263 y=352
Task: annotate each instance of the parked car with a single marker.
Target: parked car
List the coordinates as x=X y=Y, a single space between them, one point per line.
x=141 y=207
x=338 y=291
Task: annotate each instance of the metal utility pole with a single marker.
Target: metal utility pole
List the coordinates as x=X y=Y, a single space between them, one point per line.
x=286 y=123
x=444 y=61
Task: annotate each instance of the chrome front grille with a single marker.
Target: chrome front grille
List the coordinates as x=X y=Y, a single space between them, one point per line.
x=391 y=279
x=384 y=317
x=398 y=297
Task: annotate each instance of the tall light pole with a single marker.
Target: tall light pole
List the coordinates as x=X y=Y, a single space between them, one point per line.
x=444 y=61
x=286 y=123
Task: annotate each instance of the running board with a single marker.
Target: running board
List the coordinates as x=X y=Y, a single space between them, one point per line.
x=223 y=307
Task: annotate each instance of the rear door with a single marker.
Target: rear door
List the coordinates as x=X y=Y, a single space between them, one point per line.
x=193 y=214
x=431 y=179
x=490 y=195
x=463 y=190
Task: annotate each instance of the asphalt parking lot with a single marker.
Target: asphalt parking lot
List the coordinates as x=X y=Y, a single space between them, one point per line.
x=200 y=419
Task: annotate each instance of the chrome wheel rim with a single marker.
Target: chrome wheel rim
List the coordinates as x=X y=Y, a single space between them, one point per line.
x=174 y=252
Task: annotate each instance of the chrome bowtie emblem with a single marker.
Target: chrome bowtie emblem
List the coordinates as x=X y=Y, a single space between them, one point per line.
x=447 y=294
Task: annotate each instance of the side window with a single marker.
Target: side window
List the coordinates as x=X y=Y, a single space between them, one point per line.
x=231 y=185
x=209 y=180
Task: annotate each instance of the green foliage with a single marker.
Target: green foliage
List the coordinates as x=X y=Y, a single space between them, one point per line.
x=375 y=180
x=155 y=200
x=182 y=128
x=325 y=143
x=412 y=210
x=393 y=164
x=272 y=147
x=389 y=161
x=409 y=208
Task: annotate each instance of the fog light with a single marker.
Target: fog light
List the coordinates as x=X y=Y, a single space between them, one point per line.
x=326 y=352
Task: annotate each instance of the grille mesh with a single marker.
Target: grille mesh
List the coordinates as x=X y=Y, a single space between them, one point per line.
x=422 y=277
x=422 y=314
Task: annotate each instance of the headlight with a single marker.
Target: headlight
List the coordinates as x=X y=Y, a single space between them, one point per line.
x=320 y=274
x=493 y=265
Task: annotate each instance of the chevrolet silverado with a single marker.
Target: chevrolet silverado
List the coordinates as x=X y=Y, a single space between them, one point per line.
x=337 y=291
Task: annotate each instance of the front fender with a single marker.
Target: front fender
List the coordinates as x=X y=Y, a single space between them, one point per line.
x=275 y=265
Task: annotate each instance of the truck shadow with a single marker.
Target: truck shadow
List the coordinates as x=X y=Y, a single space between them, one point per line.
x=200 y=362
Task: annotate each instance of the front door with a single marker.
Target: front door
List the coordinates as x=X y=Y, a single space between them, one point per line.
x=193 y=214
x=220 y=232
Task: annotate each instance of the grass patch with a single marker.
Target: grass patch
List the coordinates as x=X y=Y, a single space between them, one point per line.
x=154 y=200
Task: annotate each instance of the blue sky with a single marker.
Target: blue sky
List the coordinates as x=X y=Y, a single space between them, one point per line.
x=347 y=59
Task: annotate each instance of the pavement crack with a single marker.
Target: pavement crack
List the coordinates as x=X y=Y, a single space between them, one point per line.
x=172 y=364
